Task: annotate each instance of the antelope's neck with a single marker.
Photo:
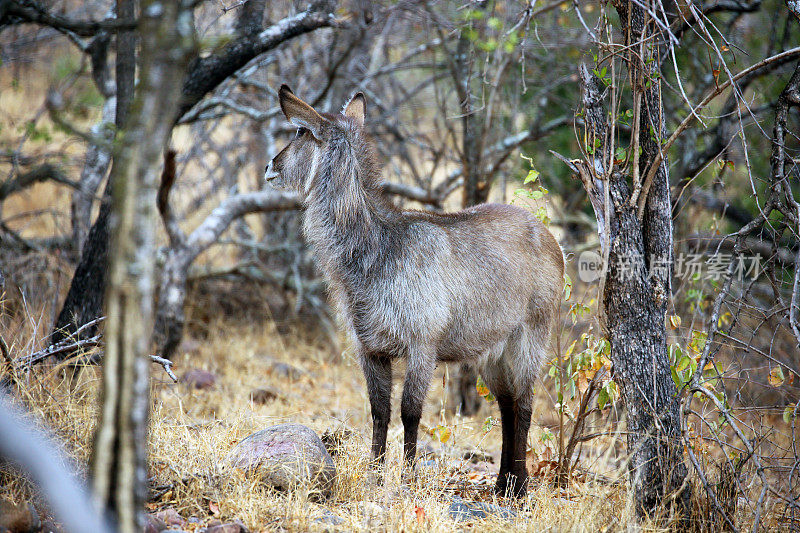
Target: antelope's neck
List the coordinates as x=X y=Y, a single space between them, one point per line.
x=348 y=226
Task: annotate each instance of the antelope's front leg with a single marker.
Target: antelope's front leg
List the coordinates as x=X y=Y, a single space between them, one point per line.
x=378 y=373
x=418 y=377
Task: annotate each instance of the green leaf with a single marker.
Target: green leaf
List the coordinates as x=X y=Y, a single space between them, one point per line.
x=788 y=413
x=541 y=214
x=602 y=398
x=675 y=377
x=533 y=175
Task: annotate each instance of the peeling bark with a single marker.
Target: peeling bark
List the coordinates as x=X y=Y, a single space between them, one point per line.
x=118 y=464
x=637 y=284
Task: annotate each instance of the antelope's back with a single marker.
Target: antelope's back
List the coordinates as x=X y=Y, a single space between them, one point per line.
x=502 y=264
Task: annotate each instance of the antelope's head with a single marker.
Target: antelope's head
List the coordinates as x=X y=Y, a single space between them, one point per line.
x=318 y=138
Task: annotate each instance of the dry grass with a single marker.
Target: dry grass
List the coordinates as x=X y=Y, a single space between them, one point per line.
x=193 y=430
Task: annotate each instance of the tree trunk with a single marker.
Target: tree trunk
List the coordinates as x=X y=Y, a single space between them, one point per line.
x=118 y=464
x=636 y=306
x=84 y=301
x=635 y=229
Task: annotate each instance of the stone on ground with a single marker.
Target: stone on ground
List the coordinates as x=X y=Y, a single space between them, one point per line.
x=465 y=511
x=199 y=379
x=286 y=456
x=20 y=518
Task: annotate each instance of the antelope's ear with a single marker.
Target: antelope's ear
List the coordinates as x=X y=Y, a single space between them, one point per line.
x=356 y=108
x=300 y=113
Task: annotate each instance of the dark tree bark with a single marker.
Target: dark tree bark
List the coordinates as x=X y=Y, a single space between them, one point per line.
x=118 y=463
x=84 y=301
x=635 y=228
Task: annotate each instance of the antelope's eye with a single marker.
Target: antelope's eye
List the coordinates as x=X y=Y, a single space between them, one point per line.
x=300 y=133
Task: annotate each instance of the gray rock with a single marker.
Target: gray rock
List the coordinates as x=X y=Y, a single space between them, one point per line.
x=199 y=379
x=154 y=525
x=169 y=517
x=263 y=396
x=232 y=527
x=285 y=456
x=330 y=518
x=464 y=511
x=287 y=371
x=21 y=518
x=283 y=370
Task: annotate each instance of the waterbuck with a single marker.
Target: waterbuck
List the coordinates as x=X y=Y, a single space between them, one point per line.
x=479 y=285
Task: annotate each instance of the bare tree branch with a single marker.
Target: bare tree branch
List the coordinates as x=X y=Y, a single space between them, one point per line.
x=206 y=73
x=29 y=11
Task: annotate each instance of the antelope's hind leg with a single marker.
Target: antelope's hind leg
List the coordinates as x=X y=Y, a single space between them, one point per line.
x=509 y=374
x=515 y=415
x=378 y=374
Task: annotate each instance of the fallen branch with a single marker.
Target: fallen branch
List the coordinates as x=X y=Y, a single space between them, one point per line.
x=167 y=364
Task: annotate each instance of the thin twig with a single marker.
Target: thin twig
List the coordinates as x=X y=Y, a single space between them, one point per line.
x=166 y=364
x=648 y=181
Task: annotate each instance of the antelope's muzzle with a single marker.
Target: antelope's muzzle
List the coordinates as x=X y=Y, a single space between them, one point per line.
x=270 y=174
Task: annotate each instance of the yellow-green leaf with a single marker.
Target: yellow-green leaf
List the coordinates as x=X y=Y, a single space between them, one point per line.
x=776 y=377
x=443 y=433
x=570 y=349
x=483 y=390
x=788 y=413
x=533 y=174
